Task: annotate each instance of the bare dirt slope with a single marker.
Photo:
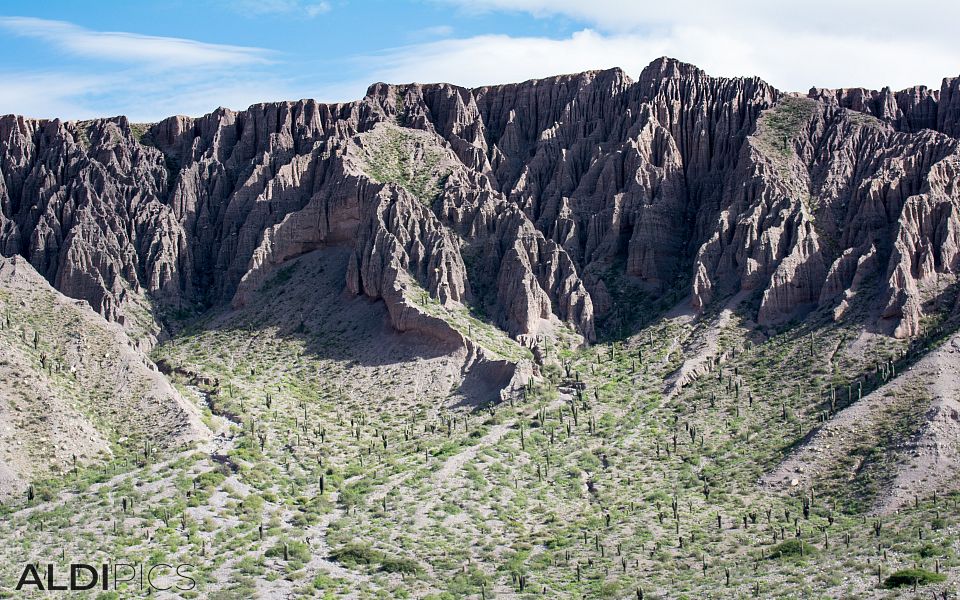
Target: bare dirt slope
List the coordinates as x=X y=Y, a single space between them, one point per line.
x=73 y=386
x=897 y=443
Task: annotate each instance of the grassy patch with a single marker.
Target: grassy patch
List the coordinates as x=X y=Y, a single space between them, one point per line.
x=407 y=158
x=779 y=125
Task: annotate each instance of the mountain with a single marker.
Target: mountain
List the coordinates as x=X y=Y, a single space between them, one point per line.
x=527 y=202
x=448 y=342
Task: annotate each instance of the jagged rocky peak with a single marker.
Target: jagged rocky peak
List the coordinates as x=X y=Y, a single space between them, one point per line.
x=543 y=204
x=911 y=110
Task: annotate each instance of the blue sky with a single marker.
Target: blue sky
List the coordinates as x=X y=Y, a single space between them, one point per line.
x=148 y=60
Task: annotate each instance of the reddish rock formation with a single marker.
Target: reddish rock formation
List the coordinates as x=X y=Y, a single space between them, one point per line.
x=526 y=201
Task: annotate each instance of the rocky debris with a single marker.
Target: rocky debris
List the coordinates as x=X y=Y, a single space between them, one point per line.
x=703 y=347
x=524 y=200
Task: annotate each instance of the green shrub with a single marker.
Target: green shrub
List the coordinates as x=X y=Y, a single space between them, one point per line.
x=930 y=550
x=297 y=551
x=391 y=564
x=909 y=577
x=302 y=520
x=252 y=505
x=354 y=554
x=793 y=547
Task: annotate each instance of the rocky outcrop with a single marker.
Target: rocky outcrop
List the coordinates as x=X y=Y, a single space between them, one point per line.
x=83 y=202
x=948 y=110
x=828 y=195
x=909 y=110
x=529 y=202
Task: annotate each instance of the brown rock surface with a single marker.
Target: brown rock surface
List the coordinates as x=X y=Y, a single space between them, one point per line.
x=524 y=201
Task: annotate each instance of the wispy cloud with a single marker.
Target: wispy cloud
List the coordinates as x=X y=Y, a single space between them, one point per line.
x=137 y=95
x=147 y=50
x=437 y=31
x=149 y=77
x=491 y=59
x=852 y=17
x=50 y=94
x=309 y=8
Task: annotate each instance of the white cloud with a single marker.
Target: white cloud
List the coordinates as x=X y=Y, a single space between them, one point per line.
x=501 y=59
x=139 y=96
x=159 y=76
x=195 y=96
x=828 y=43
x=800 y=60
x=316 y=8
x=147 y=50
x=149 y=78
x=889 y=17
x=437 y=31
x=48 y=95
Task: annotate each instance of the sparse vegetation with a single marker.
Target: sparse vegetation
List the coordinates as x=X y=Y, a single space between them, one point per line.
x=780 y=125
x=408 y=158
x=791 y=548
x=340 y=469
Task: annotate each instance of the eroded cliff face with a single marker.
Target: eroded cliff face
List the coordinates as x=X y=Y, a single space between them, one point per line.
x=830 y=203
x=523 y=201
x=909 y=110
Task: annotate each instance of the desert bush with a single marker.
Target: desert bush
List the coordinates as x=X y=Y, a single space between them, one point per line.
x=909 y=577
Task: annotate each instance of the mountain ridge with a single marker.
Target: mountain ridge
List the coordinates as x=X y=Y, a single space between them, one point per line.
x=553 y=182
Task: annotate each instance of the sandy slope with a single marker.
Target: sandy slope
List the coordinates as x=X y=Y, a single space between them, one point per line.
x=82 y=387
x=922 y=462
